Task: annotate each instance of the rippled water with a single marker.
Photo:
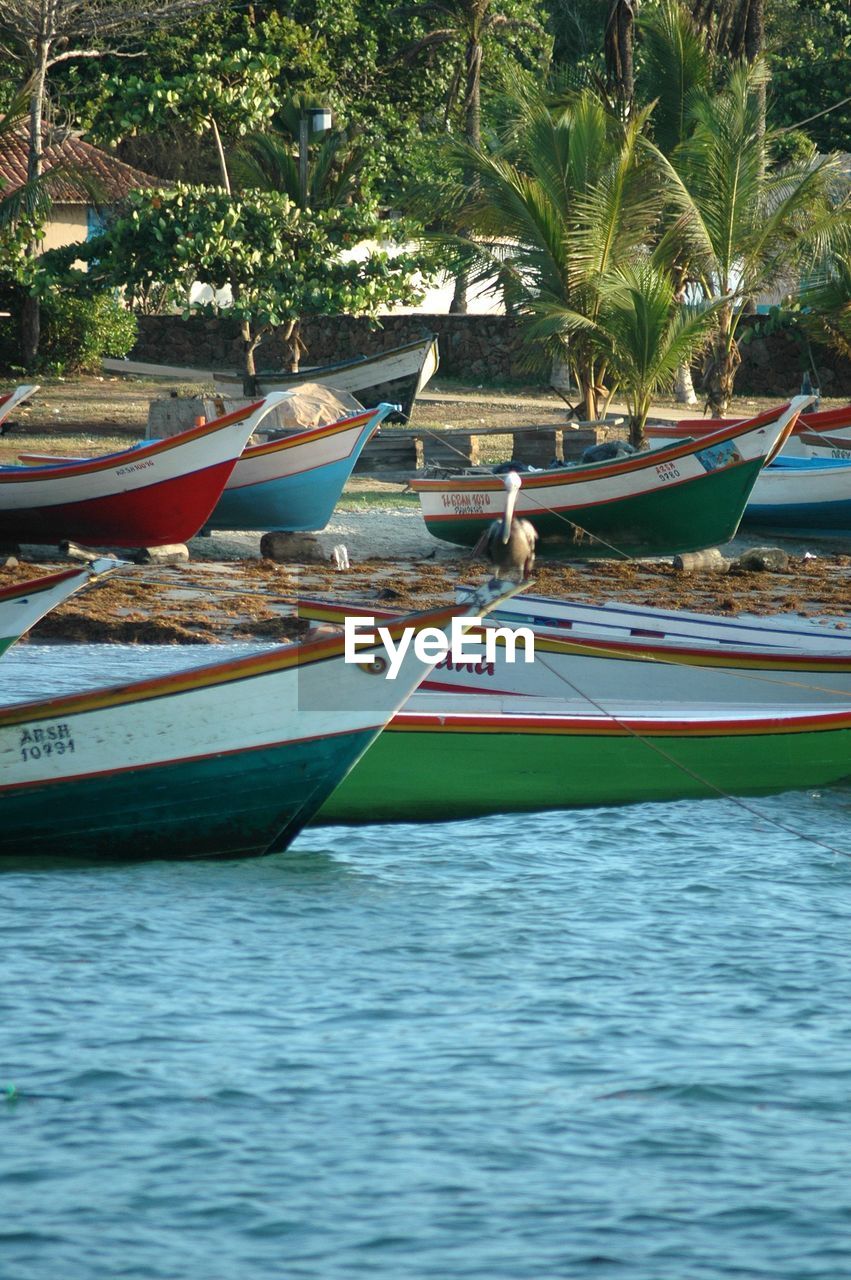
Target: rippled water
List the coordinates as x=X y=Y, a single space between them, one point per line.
x=614 y=1043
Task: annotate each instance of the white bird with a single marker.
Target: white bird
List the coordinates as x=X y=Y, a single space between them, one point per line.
x=509 y=543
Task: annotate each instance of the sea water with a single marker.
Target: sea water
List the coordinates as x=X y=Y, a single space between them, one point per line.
x=613 y=1043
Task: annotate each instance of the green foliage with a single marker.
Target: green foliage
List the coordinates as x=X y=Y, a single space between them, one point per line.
x=809 y=44
x=76 y=332
x=280 y=262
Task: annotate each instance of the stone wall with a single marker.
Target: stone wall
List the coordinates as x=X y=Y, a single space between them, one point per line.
x=474 y=349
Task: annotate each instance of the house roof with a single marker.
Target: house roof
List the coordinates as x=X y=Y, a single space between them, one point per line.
x=112 y=180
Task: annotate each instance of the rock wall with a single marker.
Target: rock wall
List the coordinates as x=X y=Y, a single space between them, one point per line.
x=474 y=349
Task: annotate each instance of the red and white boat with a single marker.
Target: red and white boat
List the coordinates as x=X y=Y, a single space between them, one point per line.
x=157 y=492
x=813 y=435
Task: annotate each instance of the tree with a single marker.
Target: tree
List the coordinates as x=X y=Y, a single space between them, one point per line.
x=648 y=336
x=619 y=52
x=466 y=26
x=743 y=223
x=553 y=214
x=280 y=262
x=39 y=35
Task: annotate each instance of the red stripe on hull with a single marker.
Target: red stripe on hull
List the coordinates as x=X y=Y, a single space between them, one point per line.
x=171 y=511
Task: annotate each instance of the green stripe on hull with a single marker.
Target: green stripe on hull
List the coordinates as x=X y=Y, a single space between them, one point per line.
x=669 y=521
x=249 y=803
x=432 y=776
x=6 y=643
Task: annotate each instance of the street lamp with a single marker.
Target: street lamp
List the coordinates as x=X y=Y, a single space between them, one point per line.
x=312 y=120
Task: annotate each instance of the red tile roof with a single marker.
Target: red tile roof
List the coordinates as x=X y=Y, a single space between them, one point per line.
x=112 y=179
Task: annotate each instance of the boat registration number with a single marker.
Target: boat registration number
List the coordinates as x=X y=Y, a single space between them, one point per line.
x=49 y=740
x=466 y=502
x=668 y=471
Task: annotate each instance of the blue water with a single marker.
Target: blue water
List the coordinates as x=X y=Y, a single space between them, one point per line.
x=610 y=1044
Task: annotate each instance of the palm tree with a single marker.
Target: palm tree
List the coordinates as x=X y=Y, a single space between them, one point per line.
x=827 y=304
x=648 y=336
x=552 y=214
x=742 y=223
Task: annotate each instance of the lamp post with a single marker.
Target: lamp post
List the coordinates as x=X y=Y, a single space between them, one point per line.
x=312 y=120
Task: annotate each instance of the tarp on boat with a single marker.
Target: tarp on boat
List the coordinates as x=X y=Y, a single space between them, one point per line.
x=313 y=405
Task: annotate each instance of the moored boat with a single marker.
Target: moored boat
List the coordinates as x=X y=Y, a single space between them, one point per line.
x=10 y=401
x=678 y=498
x=158 y=492
x=613 y=666
x=295 y=482
x=444 y=758
x=396 y=376
x=230 y=759
x=820 y=422
x=22 y=604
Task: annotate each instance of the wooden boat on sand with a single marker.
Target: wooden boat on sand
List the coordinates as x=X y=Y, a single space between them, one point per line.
x=819 y=423
x=397 y=375
x=445 y=758
x=22 y=604
x=230 y=759
x=288 y=481
x=679 y=498
x=158 y=492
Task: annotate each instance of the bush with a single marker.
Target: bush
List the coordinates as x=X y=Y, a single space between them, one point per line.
x=76 y=333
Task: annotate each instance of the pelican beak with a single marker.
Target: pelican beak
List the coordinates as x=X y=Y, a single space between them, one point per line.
x=511 y=491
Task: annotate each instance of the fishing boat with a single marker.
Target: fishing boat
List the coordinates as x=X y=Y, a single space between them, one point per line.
x=794 y=494
x=12 y=399
x=22 y=604
x=616 y=665
x=678 y=498
x=616 y=620
x=445 y=758
x=230 y=759
x=295 y=482
x=158 y=492
x=396 y=376
x=292 y=480
x=826 y=433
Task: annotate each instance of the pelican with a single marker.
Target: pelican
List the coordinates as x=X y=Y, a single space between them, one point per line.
x=509 y=543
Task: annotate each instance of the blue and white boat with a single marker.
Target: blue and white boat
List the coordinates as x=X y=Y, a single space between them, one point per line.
x=294 y=482
x=802 y=493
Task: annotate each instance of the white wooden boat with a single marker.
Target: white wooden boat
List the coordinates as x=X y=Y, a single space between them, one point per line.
x=397 y=376
x=12 y=399
x=161 y=491
x=609 y=663
x=802 y=494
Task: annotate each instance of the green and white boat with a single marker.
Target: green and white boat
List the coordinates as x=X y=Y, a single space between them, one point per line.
x=22 y=604
x=461 y=756
x=679 y=498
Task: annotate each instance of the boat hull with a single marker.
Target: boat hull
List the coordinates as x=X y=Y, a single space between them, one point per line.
x=433 y=769
x=809 y=493
x=149 y=495
x=396 y=376
x=23 y=603
x=232 y=805
x=294 y=483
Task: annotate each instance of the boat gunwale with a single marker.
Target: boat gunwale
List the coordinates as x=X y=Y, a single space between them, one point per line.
x=212 y=674
x=558 y=476
x=13 y=474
